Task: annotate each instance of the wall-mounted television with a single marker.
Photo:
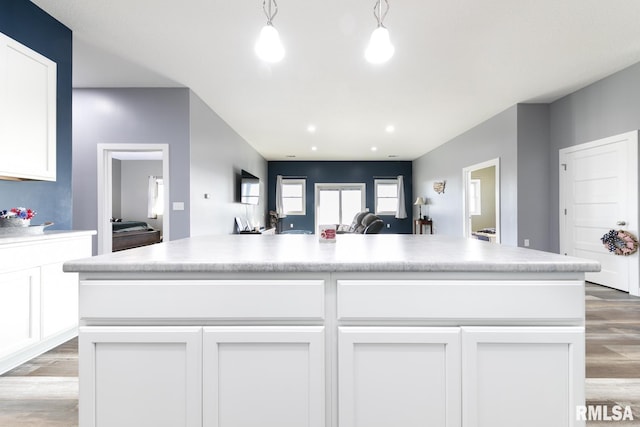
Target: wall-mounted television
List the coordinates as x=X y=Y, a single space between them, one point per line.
x=249 y=188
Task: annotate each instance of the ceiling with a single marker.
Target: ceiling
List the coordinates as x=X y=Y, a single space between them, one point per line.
x=457 y=63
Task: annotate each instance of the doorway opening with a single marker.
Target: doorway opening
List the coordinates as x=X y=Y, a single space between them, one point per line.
x=481 y=201
x=129 y=152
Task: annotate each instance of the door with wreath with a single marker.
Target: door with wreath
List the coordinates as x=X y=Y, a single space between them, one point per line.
x=598 y=194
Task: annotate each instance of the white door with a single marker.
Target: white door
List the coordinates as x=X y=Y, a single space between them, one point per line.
x=598 y=193
x=263 y=376
x=399 y=376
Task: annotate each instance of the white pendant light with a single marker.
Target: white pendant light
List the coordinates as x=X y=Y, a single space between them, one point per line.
x=380 y=49
x=269 y=46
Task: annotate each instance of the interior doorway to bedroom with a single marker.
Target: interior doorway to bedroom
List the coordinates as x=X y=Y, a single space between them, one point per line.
x=481 y=201
x=156 y=156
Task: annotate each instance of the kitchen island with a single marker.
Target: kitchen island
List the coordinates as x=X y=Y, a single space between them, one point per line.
x=373 y=330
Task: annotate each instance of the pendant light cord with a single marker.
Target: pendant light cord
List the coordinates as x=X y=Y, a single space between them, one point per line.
x=377 y=12
x=267 y=10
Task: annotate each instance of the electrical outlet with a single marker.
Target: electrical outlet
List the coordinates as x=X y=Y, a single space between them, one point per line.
x=388 y=225
x=526 y=243
x=290 y=225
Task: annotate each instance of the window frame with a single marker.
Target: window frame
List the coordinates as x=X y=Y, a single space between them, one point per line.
x=298 y=182
x=359 y=186
x=386 y=181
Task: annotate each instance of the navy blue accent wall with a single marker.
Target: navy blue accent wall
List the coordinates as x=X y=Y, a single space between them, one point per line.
x=342 y=172
x=25 y=22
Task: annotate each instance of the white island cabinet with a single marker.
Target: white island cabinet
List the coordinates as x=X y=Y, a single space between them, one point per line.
x=371 y=331
x=38 y=301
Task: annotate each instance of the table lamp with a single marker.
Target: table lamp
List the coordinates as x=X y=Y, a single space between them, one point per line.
x=420 y=201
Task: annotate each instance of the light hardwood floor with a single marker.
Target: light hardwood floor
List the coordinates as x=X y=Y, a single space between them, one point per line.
x=44 y=391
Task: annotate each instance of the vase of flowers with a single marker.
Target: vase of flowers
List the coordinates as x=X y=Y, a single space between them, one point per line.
x=16 y=217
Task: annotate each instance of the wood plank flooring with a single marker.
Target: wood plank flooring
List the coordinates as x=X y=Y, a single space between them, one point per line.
x=613 y=351
x=44 y=391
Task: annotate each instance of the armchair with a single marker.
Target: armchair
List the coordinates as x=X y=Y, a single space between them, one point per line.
x=366 y=223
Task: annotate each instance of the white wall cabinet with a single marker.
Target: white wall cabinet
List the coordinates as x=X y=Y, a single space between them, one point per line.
x=27 y=113
x=38 y=301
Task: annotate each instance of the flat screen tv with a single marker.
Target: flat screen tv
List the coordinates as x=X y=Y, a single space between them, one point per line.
x=249 y=188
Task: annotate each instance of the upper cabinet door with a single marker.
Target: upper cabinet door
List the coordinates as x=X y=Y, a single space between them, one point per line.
x=27 y=113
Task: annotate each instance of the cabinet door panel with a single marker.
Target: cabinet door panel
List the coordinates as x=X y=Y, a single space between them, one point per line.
x=263 y=376
x=399 y=376
x=59 y=300
x=19 y=309
x=506 y=369
x=140 y=376
x=27 y=112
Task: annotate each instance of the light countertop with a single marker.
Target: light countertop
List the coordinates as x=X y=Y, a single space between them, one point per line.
x=47 y=235
x=350 y=253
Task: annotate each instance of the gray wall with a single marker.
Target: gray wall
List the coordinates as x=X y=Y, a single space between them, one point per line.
x=608 y=107
x=129 y=116
x=496 y=137
x=533 y=175
x=135 y=190
x=218 y=154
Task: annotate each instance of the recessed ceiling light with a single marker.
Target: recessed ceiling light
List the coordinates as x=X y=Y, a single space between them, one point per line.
x=390 y=128
x=374 y=148
x=314 y=148
x=311 y=128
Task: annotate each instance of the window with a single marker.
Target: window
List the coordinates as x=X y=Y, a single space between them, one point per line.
x=338 y=203
x=386 y=196
x=293 y=196
x=155 y=197
x=475 y=197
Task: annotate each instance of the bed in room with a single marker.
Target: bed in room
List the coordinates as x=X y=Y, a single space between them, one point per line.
x=133 y=234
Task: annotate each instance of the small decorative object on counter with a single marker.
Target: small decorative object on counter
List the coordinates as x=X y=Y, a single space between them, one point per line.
x=620 y=242
x=327 y=233
x=16 y=217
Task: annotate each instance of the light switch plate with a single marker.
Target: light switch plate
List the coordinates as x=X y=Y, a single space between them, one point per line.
x=178 y=206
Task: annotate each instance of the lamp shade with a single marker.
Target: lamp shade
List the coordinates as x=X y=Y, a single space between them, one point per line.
x=419 y=201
